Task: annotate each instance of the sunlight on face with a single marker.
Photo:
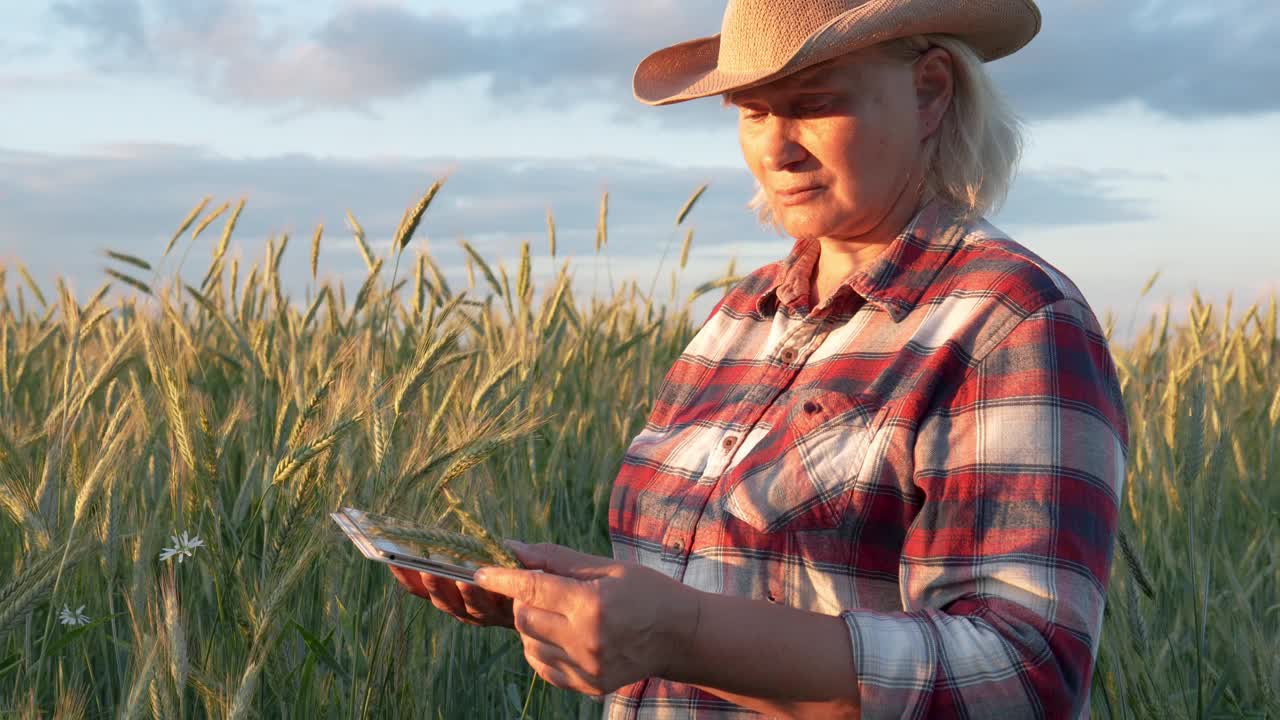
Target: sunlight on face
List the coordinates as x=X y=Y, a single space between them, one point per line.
x=835 y=146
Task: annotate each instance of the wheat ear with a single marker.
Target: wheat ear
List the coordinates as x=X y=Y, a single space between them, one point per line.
x=444 y=541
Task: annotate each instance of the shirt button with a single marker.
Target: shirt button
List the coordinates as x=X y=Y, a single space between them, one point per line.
x=677 y=546
x=772 y=598
x=729 y=442
x=811 y=406
x=788 y=355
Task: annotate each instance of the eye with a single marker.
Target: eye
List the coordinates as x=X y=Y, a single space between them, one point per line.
x=812 y=107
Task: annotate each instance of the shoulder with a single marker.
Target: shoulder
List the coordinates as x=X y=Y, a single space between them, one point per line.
x=1001 y=283
x=989 y=260
x=1022 y=321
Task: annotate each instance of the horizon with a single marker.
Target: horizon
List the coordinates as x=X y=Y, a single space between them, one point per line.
x=1138 y=159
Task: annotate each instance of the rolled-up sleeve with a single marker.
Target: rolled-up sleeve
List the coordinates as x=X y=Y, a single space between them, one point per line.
x=1019 y=467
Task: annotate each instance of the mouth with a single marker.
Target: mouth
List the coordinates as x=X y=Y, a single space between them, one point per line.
x=798 y=196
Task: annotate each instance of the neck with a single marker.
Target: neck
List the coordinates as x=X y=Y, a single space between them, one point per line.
x=841 y=256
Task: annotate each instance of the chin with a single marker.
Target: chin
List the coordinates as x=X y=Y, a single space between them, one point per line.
x=806 y=226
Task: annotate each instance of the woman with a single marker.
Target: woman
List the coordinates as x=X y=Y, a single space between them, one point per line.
x=883 y=478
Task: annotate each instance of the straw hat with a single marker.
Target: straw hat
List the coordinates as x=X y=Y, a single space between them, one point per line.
x=763 y=40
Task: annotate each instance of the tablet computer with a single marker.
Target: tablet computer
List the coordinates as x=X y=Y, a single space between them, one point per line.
x=366 y=532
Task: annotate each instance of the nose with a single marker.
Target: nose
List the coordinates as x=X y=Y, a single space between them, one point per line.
x=781 y=149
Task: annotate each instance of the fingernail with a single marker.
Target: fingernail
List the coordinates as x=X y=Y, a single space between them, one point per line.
x=481 y=576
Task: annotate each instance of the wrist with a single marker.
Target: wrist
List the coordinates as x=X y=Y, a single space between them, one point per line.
x=681 y=631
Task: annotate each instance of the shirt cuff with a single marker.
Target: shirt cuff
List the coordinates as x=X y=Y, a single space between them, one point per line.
x=895 y=658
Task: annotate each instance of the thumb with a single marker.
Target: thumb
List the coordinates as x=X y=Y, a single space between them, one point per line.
x=560 y=560
x=533 y=587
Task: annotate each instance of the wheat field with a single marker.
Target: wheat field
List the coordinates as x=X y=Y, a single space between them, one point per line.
x=168 y=460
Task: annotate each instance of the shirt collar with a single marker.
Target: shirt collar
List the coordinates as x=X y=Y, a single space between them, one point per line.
x=894 y=281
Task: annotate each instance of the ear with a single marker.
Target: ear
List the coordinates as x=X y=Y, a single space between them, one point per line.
x=934 y=84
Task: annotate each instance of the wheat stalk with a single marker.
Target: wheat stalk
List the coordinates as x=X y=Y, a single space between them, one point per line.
x=443 y=541
x=684 y=249
x=114 y=437
x=412 y=217
x=315 y=248
x=688 y=205
x=37 y=577
x=602 y=223
x=363 y=246
x=175 y=632
x=1140 y=575
x=299 y=459
x=551 y=233
x=485 y=391
x=129 y=259
x=421 y=369
x=27 y=588
x=208 y=220
x=31 y=283
x=475 y=529
x=186 y=223
x=479 y=262
x=142 y=679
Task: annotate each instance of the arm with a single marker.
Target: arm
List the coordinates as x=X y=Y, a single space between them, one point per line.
x=1003 y=572
x=1004 y=569
x=789 y=664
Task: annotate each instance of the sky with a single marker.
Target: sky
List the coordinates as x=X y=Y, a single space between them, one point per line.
x=1152 y=133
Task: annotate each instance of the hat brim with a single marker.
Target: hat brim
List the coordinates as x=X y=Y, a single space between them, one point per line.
x=690 y=70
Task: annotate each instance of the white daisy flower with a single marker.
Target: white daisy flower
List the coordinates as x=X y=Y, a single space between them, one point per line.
x=184 y=546
x=67 y=616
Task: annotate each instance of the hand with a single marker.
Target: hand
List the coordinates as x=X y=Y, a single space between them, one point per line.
x=466 y=602
x=592 y=624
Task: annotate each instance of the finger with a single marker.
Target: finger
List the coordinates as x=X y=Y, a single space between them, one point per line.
x=410 y=581
x=560 y=560
x=541 y=625
x=413 y=581
x=478 y=601
x=436 y=583
x=444 y=595
x=535 y=588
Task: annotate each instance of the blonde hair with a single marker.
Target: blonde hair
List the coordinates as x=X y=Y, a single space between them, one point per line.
x=973 y=155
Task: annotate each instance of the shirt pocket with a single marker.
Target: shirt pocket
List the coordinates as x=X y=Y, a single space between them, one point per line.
x=801 y=473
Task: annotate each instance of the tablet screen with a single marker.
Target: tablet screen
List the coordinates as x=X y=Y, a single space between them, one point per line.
x=379 y=538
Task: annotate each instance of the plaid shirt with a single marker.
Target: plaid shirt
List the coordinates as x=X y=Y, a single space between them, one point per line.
x=934 y=453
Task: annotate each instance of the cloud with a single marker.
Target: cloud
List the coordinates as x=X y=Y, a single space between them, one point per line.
x=58 y=212
x=113 y=29
x=230 y=51
x=1065 y=197
x=1180 y=58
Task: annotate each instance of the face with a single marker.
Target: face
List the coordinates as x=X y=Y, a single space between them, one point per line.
x=838 y=147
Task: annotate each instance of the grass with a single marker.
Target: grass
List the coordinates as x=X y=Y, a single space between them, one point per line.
x=1193 y=615
x=226 y=411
